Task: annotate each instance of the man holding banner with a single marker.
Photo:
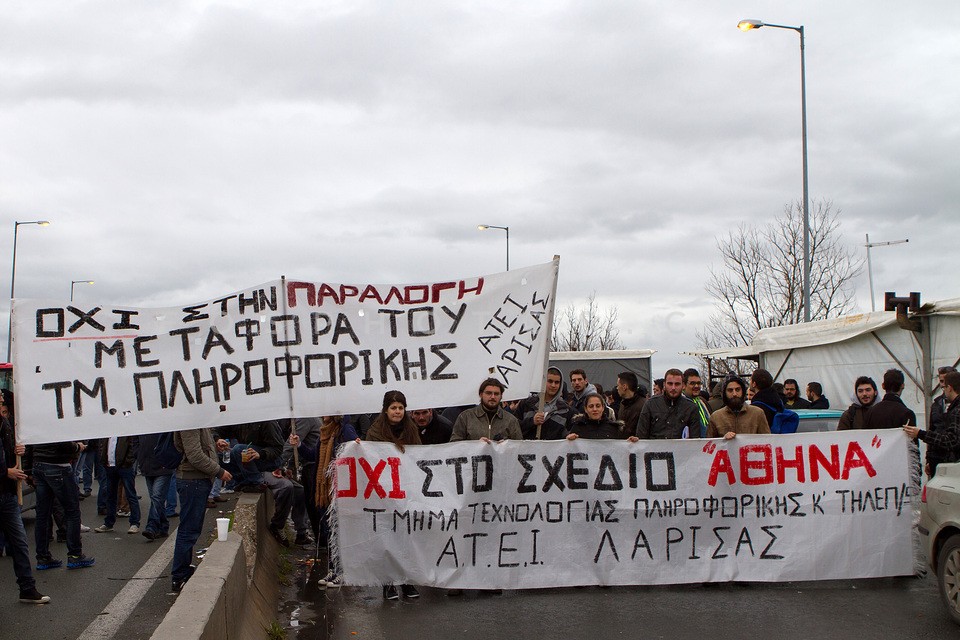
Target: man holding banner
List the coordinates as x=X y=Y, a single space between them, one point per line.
x=488 y=421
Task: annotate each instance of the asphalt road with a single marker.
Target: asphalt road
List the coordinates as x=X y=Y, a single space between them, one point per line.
x=81 y=598
x=902 y=608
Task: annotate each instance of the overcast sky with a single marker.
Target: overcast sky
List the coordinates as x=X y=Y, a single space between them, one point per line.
x=184 y=150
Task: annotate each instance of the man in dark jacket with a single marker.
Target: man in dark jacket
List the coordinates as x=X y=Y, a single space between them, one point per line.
x=54 y=478
x=119 y=456
x=553 y=422
x=946 y=440
x=631 y=402
x=764 y=395
x=158 y=484
x=433 y=427
x=856 y=414
x=890 y=413
x=791 y=395
x=670 y=415
x=939 y=407
x=816 y=397
x=11 y=522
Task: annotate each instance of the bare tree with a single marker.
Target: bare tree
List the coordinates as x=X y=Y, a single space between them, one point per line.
x=760 y=284
x=587 y=328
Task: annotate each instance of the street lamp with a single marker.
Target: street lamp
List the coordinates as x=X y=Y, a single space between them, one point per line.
x=13 y=277
x=870 y=245
x=484 y=227
x=747 y=25
x=73 y=283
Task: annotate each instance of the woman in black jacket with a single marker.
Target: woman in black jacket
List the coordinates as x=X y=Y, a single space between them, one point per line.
x=595 y=423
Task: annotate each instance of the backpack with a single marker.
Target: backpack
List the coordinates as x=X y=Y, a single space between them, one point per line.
x=786 y=421
x=166 y=453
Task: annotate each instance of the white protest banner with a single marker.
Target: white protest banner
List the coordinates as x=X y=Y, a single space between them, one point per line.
x=521 y=514
x=288 y=347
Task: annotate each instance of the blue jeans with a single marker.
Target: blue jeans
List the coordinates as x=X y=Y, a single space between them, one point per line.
x=193 y=507
x=55 y=481
x=157 y=487
x=11 y=526
x=128 y=476
x=88 y=469
x=172 y=497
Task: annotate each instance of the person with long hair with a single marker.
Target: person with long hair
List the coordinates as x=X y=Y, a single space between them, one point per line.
x=395 y=425
x=333 y=433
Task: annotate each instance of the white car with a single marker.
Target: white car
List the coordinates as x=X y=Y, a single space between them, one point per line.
x=940 y=532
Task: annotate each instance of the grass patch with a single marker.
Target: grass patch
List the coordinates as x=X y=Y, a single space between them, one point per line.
x=275 y=631
x=285 y=566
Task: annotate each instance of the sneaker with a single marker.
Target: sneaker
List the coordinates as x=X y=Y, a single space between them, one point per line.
x=304 y=539
x=149 y=535
x=133 y=529
x=390 y=592
x=79 y=562
x=48 y=563
x=222 y=491
x=123 y=514
x=32 y=596
x=103 y=529
x=177 y=585
x=84 y=528
x=409 y=591
x=327 y=578
x=335 y=582
x=279 y=535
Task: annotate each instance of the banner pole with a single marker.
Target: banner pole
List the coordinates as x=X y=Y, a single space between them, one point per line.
x=546 y=353
x=286 y=352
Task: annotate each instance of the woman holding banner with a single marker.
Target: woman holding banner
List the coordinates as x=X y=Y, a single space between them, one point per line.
x=595 y=423
x=394 y=425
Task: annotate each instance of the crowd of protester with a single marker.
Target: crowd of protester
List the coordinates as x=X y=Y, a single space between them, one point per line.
x=291 y=458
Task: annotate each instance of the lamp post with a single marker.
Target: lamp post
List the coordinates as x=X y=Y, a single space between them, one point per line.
x=747 y=25
x=870 y=245
x=73 y=283
x=13 y=277
x=484 y=227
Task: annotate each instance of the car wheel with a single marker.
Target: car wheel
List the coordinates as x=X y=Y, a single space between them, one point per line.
x=948 y=576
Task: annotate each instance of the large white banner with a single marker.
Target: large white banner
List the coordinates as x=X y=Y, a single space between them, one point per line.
x=523 y=514
x=287 y=347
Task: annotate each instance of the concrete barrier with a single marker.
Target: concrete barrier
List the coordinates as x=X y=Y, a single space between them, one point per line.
x=233 y=594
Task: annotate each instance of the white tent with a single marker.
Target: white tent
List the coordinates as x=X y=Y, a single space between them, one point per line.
x=835 y=352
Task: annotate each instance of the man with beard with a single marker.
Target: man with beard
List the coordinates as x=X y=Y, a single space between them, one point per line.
x=487 y=421
x=736 y=416
x=671 y=415
x=856 y=414
x=552 y=422
x=764 y=395
x=816 y=397
x=791 y=395
x=945 y=441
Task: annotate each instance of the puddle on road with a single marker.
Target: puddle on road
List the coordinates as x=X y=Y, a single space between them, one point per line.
x=303 y=605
